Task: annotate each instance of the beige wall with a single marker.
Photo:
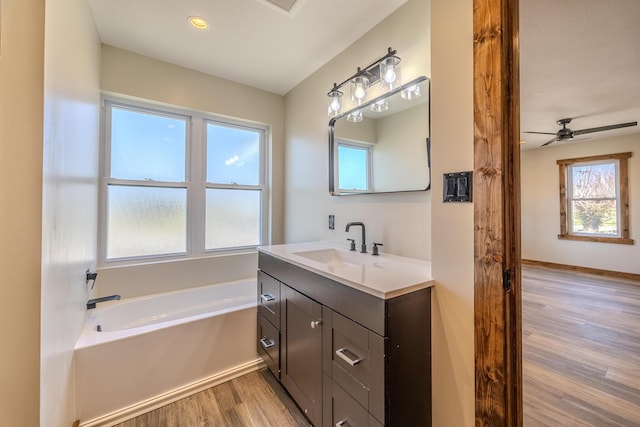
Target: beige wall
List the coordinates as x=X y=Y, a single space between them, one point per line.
x=21 y=100
x=400 y=221
x=70 y=194
x=541 y=207
x=452 y=223
x=129 y=74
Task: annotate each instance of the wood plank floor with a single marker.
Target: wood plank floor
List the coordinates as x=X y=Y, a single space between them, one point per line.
x=581 y=349
x=253 y=400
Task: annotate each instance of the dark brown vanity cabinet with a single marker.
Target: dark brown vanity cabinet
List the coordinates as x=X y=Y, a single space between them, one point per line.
x=302 y=352
x=348 y=358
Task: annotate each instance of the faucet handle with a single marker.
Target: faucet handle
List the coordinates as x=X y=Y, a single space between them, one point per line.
x=375 y=248
x=353 y=244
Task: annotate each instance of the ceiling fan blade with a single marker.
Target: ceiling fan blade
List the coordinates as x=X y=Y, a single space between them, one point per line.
x=549 y=142
x=542 y=133
x=603 y=128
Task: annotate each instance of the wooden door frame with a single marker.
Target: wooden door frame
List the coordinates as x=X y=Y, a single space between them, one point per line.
x=496 y=186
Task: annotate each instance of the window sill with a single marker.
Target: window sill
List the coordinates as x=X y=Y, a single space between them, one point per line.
x=599 y=239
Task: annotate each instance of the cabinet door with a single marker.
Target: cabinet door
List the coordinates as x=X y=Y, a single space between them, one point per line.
x=302 y=352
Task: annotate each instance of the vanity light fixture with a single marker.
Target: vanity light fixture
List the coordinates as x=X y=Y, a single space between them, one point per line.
x=380 y=106
x=198 y=22
x=355 y=117
x=390 y=72
x=359 y=86
x=385 y=69
x=412 y=92
x=335 y=103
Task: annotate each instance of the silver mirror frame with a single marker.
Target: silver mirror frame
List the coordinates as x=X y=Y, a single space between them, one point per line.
x=332 y=185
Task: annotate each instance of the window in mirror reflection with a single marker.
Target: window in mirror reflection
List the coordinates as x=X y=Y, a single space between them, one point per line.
x=354 y=166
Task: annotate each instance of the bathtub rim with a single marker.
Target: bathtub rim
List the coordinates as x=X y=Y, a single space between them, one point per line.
x=89 y=336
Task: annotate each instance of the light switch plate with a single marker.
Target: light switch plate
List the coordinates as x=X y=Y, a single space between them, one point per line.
x=457 y=187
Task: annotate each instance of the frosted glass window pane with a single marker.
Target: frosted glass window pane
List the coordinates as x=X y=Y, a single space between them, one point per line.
x=146 y=146
x=143 y=221
x=233 y=155
x=352 y=168
x=233 y=218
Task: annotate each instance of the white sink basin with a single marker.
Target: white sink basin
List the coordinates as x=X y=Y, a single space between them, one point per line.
x=339 y=258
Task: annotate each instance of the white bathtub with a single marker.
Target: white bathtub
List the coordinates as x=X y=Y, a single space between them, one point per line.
x=157 y=349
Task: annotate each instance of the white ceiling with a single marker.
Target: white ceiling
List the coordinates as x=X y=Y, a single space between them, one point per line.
x=578 y=59
x=252 y=42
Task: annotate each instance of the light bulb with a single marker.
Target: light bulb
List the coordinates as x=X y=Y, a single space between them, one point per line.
x=359 y=87
x=390 y=72
x=389 y=75
x=335 y=104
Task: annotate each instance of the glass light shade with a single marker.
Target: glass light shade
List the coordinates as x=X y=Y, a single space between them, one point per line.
x=380 y=106
x=355 y=116
x=335 y=104
x=411 y=92
x=390 y=73
x=359 y=86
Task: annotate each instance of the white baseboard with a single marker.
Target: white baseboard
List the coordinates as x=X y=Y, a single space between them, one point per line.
x=156 y=402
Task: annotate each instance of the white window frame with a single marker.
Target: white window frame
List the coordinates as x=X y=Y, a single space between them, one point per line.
x=195 y=175
x=364 y=146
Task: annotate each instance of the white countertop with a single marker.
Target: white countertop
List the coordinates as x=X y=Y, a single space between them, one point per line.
x=384 y=276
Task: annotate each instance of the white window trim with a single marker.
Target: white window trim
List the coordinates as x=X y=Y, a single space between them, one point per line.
x=195 y=174
x=342 y=142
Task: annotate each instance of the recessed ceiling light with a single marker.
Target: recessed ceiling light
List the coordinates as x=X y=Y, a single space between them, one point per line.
x=198 y=22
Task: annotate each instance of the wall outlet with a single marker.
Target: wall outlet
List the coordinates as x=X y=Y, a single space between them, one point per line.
x=332 y=222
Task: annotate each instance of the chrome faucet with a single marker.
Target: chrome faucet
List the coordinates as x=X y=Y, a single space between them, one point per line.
x=92 y=302
x=363 y=248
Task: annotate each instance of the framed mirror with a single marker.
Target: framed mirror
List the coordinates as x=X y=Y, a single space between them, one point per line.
x=383 y=145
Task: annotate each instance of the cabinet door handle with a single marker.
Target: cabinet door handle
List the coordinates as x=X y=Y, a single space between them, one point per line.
x=342 y=354
x=267 y=297
x=315 y=323
x=267 y=342
x=342 y=422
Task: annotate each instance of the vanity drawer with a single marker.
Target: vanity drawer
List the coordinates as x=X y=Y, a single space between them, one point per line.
x=269 y=298
x=355 y=360
x=269 y=345
x=343 y=411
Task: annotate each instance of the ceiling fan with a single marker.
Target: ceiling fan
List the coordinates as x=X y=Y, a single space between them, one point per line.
x=565 y=133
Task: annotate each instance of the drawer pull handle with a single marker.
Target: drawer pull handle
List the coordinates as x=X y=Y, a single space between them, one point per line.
x=267 y=342
x=315 y=323
x=342 y=354
x=267 y=297
x=342 y=422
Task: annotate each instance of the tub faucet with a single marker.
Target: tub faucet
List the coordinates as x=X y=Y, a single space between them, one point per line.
x=363 y=248
x=92 y=302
